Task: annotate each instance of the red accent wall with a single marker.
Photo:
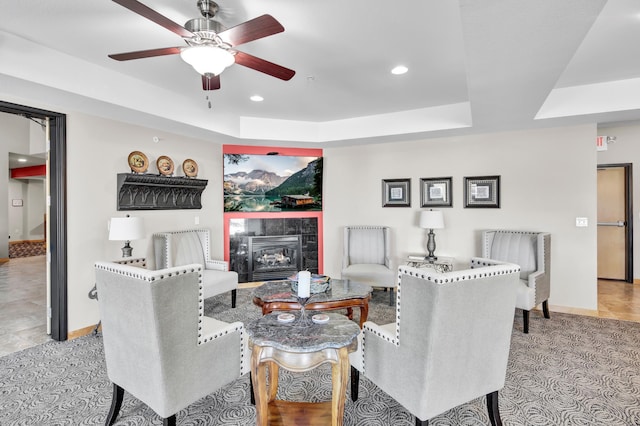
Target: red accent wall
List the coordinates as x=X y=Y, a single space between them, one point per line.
x=23 y=172
x=264 y=150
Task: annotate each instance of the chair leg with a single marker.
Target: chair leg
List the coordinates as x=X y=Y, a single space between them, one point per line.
x=392 y=299
x=355 y=383
x=494 y=410
x=545 y=309
x=233 y=298
x=116 y=403
x=422 y=422
x=525 y=317
x=169 y=421
x=253 y=397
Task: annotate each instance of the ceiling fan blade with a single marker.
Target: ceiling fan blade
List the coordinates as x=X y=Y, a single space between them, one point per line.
x=210 y=82
x=152 y=15
x=254 y=29
x=145 y=53
x=266 y=67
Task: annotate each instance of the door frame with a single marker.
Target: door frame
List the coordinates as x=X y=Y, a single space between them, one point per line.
x=57 y=254
x=628 y=209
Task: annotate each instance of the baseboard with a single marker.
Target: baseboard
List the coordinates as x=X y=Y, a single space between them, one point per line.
x=81 y=332
x=4 y=259
x=575 y=311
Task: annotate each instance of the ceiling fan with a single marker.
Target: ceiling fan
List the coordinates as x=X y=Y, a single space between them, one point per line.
x=210 y=46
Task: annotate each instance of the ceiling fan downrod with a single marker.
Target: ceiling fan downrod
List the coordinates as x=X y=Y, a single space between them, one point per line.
x=208 y=8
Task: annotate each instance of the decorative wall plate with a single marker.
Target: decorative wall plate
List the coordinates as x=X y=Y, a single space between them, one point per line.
x=190 y=168
x=165 y=165
x=138 y=162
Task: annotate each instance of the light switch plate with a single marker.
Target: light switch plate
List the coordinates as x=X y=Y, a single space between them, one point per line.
x=197 y=220
x=582 y=221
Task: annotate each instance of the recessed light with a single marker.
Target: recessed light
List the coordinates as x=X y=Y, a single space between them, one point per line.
x=257 y=98
x=400 y=69
x=22 y=160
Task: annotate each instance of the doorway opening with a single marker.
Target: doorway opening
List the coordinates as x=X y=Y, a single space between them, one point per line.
x=57 y=223
x=615 y=222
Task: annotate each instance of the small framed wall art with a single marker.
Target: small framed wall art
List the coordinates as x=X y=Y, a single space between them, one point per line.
x=482 y=191
x=435 y=192
x=396 y=192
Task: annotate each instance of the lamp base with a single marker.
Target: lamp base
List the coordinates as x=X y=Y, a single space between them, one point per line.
x=431 y=246
x=127 y=250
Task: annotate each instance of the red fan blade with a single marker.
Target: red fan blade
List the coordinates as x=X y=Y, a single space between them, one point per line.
x=154 y=16
x=145 y=53
x=256 y=28
x=210 y=82
x=266 y=67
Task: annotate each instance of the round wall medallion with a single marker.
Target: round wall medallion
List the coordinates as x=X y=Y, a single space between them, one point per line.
x=190 y=168
x=165 y=165
x=138 y=162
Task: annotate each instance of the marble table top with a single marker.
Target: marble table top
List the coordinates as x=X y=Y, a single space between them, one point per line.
x=280 y=291
x=338 y=332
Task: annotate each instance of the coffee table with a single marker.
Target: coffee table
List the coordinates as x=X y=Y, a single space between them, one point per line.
x=299 y=347
x=278 y=296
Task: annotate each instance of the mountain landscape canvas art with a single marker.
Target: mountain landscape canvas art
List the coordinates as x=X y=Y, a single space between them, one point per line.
x=272 y=183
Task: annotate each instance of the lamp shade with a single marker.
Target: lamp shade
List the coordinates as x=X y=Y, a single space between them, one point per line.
x=126 y=228
x=431 y=219
x=207 y=59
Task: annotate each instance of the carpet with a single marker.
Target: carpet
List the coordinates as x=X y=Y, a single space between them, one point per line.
x=570 y=370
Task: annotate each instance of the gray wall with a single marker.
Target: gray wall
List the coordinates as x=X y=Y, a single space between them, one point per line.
x=548 y=179
x=626 y=149
x=14 y=137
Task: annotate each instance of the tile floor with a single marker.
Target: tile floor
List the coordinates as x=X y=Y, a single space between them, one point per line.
x=23 y=303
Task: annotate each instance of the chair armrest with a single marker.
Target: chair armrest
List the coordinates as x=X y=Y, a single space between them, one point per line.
x=480 y=262
x=219 y=265
x=385 y=332
x=539 y=282
x=139 y=262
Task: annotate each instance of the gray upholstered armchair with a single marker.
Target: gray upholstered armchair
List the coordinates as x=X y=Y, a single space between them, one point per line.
x=192 y=246
x=450 y=342
x=366 y=257
x=532 y=251
x=158 y=345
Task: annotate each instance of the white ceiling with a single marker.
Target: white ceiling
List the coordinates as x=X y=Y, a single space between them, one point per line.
x=474 y=66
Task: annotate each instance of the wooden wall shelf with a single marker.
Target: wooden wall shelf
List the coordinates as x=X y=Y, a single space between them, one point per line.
x=154 y=192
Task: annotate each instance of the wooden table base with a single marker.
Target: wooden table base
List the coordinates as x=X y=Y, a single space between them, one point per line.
x=289 y=413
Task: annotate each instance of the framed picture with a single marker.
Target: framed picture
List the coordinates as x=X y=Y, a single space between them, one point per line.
x=396 y=192
x=482 y=191
x=272 y=183
x=435 y=192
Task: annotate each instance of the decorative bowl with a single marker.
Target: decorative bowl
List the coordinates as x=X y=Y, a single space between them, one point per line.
x=319 y=283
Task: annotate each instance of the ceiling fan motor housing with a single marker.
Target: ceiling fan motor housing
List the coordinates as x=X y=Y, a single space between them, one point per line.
x=202 y=25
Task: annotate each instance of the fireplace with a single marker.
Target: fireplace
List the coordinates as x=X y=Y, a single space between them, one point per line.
x=262 y=249
x=274 y=257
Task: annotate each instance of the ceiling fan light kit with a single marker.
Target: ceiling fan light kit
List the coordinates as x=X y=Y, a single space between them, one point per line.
x=211 y=47
x=207 y=59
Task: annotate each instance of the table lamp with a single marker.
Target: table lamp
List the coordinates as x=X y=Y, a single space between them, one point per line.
x=126 y=229
x=431 y=219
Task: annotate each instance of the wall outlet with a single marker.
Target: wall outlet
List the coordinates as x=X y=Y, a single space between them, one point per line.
x=197 y=220
x=582 y=221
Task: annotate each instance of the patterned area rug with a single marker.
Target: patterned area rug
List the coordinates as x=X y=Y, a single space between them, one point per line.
x=27 y=248
x=570 y=370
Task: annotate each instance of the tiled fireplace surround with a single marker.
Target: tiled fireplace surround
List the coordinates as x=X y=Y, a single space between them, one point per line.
x=240 y=229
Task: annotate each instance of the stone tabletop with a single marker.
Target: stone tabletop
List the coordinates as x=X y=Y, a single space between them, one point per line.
x=338 y=332
x=280 y=291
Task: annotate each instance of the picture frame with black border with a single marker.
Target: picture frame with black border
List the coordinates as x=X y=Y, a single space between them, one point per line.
x=482 y=192
x=396 y=192
x=436 y=192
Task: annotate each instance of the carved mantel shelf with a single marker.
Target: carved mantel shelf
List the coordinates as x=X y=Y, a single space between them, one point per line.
x=154 y=192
